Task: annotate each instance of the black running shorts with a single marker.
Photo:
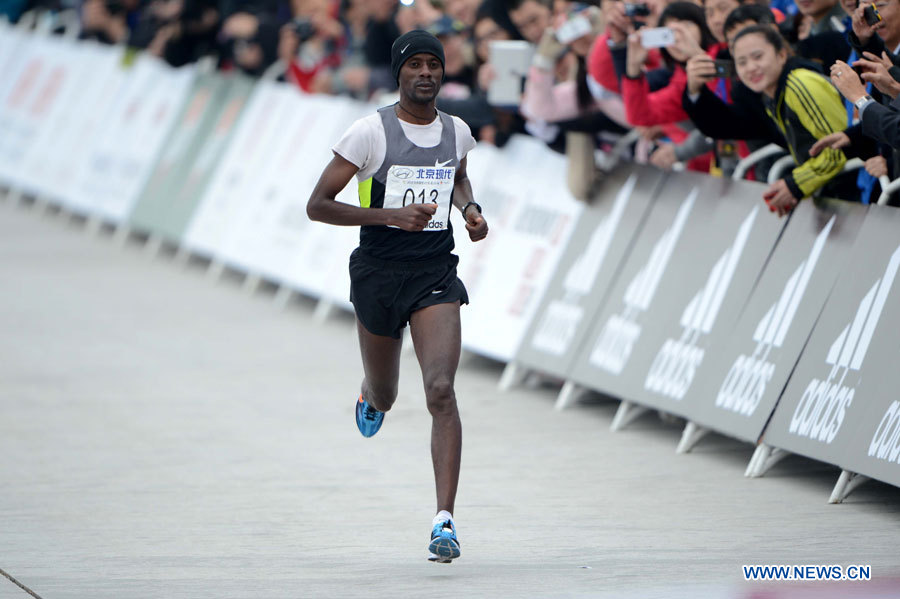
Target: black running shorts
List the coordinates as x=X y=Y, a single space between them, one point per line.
x=385 y=293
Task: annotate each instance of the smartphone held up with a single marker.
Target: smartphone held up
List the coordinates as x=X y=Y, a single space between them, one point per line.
x=657 y=37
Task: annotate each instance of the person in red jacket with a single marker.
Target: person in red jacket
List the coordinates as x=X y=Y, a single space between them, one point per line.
x=647 y=108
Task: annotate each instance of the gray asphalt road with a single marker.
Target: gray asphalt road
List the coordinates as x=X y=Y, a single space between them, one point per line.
x=164 y=436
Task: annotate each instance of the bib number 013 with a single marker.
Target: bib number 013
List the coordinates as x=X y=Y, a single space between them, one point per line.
x=410 y=196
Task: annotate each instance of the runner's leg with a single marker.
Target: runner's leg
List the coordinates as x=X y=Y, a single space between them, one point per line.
x=436 y=337
x=381 y=365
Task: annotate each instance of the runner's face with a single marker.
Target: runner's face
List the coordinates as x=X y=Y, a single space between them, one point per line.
x=420 y=78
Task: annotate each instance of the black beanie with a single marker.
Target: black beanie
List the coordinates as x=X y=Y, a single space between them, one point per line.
x=411 y=43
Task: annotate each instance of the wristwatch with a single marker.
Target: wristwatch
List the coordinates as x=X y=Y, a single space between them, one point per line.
x=466 y=207
x=863 y=101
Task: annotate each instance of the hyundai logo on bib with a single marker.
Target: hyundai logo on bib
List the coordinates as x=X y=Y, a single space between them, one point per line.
x=676 y=363
x=620 y=333
x=824 y=404
x=563 y=316
x=745 y=384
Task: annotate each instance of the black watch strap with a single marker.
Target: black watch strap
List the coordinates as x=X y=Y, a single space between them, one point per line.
x=466 y=207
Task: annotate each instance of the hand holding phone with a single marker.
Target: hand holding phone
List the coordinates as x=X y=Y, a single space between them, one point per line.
x=574 y=27
x=871 y=14
x=657 y=37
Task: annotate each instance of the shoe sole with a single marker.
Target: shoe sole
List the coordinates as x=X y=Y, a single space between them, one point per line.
x=444 y=549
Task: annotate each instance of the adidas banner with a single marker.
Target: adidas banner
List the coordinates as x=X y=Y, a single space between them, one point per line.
x=601 y=240
x=680 y=292
x=840 y=405
x=742 y=380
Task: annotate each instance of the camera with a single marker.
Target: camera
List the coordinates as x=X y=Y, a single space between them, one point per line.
x=303 y=28
x=636 y=10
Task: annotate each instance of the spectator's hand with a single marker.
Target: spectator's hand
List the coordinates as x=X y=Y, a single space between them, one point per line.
x=664 y=157
x=326 y=26
x=835 y=141
x=863 y=30
x=288 y=43
x=684 y=41
x=617 y=23
x=875 y=72
x=95 y=17
x=877 y=166
x=598 y=21
x=650 y=133
x=486 y=74
x=167 y=10
x=847 y=81
x=240 y=25
x=412 y=217
x=637 y=55
x=164 y=35
x=779 y=198
x=475 y=224
x=700 y=70
x=549 y=49
x=885 y=59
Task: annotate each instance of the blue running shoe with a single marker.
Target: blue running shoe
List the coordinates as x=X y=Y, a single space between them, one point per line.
x=444 y=546
x=368 y=419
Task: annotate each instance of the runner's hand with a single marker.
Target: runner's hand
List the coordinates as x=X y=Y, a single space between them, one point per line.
x=413 y=217
x=475 y=224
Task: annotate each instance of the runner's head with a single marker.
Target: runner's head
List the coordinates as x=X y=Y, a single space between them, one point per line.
x=417 y=62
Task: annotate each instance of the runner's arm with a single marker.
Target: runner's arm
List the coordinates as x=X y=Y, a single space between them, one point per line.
x=462 y=195
x=323 y=207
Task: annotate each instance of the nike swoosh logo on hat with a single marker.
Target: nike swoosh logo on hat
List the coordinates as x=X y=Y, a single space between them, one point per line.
x=405 y=48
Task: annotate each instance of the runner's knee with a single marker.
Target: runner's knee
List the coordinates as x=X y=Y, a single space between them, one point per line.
x=381 y=396
x=439 y=395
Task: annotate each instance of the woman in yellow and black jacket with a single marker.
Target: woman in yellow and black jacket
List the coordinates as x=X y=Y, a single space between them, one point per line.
x=805 y=108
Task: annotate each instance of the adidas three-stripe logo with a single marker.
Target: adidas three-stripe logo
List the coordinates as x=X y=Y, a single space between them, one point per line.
x=745 y=383
x=616 y=341
x=823 y=406
x=562 y=318
x=677 y=361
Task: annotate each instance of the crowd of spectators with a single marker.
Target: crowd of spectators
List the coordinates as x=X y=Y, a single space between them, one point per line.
x=701 y=84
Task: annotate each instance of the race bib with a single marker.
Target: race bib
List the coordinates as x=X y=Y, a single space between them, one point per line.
x=421 y=185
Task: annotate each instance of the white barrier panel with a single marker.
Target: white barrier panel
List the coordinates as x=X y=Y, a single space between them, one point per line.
x=78 y=128
x=235 y=179
x=68 y=154
x=36 y=82
x=139 y=118
x=78 y=68
x=532 y=216
x=272 y=236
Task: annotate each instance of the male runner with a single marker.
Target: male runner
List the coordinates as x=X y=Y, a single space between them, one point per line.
x=410 y=161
